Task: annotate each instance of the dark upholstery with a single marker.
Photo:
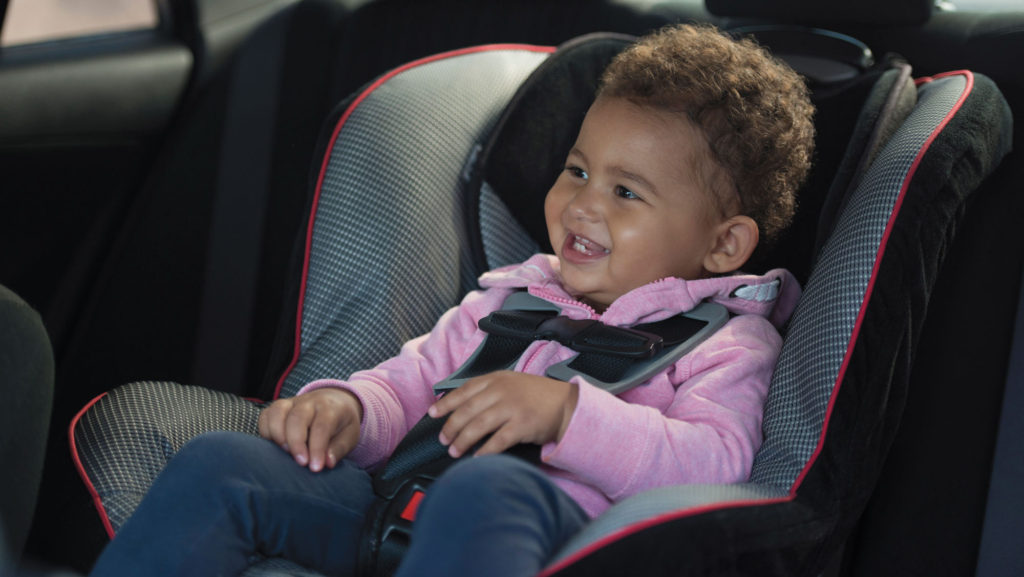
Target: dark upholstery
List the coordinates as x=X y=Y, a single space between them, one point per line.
x=26 y=383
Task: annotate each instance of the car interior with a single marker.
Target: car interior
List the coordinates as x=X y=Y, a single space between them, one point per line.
x=177 y=200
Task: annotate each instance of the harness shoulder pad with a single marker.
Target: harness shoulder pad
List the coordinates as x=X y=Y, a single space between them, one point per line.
x=713 y=315
x=519 y=300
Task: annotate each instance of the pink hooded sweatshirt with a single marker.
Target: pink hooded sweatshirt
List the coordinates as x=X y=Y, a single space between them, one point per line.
x=698 y=421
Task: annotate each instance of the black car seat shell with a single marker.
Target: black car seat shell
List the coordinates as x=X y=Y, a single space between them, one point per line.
x=795 y=484
x=826 y=439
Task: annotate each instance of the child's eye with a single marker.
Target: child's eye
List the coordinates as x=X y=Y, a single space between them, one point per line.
x=623 y=192
x=577 y=172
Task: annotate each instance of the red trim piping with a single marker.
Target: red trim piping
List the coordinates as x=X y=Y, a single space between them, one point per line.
x=641 y=525
x=671 y=516
x=327 y=155
x=96 y=501
x=968 y=87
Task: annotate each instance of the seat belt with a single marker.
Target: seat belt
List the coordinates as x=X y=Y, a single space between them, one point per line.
x=615 y=359
x=239 y=214
x=1000 y=552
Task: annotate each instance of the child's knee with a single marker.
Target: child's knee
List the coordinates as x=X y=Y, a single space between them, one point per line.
x=217 y=453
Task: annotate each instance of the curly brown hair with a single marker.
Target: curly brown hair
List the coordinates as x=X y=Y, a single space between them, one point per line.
x=753 y=109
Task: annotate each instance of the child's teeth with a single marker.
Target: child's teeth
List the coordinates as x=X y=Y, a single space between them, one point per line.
x=583 y=245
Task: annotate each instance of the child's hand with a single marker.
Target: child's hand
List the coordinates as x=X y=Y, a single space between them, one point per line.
x=516 y=407
x=317 y=428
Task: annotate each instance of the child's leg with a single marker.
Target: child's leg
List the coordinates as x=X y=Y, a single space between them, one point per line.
x=226 y=497
x=495 y=515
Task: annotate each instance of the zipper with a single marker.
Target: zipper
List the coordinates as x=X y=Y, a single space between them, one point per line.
x=559 y=300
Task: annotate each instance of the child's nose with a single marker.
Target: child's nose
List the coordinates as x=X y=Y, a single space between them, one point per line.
x=586 y=205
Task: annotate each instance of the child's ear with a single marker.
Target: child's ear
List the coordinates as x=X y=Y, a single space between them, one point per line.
x=735 y=240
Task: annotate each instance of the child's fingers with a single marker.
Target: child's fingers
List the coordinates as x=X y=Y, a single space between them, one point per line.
x=271 y=421
x=296 y=431
x=473 y=421
x=510 y=407
x=325 y=424
x=455 y=398
x=504 y=438
x=331 y=429
x=341 y=445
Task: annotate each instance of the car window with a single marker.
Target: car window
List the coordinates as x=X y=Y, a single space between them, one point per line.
x=29 y=21
x=985 y=5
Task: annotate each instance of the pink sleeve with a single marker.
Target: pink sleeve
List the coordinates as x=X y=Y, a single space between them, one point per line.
x=396 y=393
x=708 y=433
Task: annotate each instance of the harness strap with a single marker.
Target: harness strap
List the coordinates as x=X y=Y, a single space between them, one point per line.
x=615 y=359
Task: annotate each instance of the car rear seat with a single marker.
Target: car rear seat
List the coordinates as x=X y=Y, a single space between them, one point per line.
x=325 y=325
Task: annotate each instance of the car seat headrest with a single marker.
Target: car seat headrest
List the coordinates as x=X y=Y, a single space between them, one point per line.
x=528 y=146
x=887 y=106
x=822 y=57
x=874 y=12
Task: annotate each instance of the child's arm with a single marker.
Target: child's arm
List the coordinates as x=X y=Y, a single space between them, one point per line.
x=515 y=407
x=387 y=399
x=705 y=428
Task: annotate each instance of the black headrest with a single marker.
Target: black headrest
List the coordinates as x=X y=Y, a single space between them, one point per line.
x=874 y=12
x=529 y=144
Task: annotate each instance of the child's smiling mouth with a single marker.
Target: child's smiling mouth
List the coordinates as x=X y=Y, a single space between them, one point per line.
x=581 y=250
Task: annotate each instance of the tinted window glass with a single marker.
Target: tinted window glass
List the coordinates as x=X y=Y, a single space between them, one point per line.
x=39 y=20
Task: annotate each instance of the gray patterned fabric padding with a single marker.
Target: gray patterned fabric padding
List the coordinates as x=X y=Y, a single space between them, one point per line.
x=126 y=438
x=822 y=330
x=385 y=262
x=505 y=242
x=820 y=336
x=388 y=247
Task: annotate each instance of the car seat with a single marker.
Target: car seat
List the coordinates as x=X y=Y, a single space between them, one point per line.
x=436 y=171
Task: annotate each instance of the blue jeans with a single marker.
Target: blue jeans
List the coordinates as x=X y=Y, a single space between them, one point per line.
x=496 y=516
x=228 y=498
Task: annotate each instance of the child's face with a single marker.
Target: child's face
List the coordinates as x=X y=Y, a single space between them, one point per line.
x=628 y=209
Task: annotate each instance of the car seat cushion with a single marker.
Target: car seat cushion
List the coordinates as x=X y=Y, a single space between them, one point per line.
x=368 y=255
x=123 y=439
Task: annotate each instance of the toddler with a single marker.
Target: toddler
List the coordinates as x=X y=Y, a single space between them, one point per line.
x=688 y=159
